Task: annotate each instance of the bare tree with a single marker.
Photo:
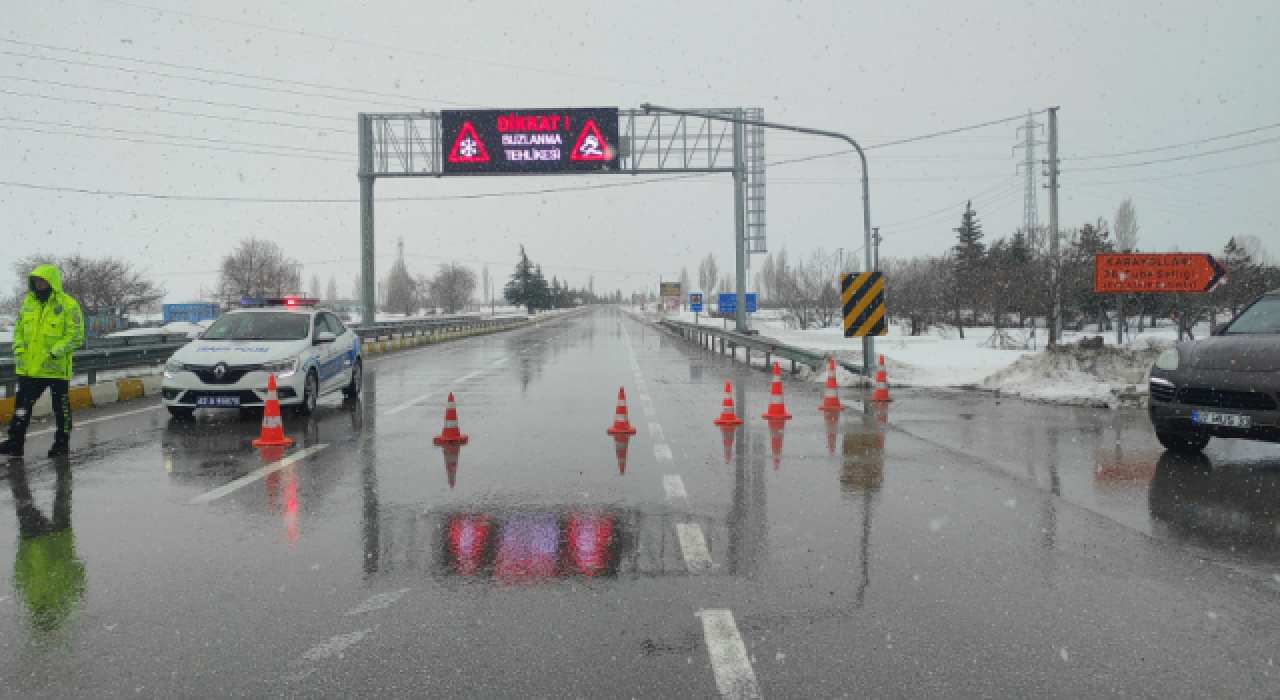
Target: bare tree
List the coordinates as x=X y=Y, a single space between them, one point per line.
x=485 y=284
x=315 y=286
x=357 y=287
x=708 y=274
x=257 y=268
x=98 y=284
x=401 y=291
x=422 y=286
x=453 y=286
x=331 y=293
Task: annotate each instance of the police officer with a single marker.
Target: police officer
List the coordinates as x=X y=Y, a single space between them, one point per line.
x=49 y=328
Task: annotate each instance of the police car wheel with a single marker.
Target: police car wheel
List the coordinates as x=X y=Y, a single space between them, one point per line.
x=310 y=393
x=352 y=390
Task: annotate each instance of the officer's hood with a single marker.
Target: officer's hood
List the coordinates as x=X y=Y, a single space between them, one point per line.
x=48 y=273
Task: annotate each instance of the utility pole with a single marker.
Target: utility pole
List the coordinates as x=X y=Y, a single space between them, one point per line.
x=875 y=241
x=1055 y=282
x=740 y=220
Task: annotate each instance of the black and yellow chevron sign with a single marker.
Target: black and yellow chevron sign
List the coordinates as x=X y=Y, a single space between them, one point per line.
x=862 y=295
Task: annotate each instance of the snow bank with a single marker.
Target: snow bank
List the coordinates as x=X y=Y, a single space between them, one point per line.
x=1105 y=376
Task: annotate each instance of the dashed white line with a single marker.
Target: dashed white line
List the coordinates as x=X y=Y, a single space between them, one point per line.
x=655 y=431
x=674 y=486
x=113 y=416
x=662 y=452
x=729 y=661
x=335 y=645
x=256 y=474
x=408 y=404
x=469 y=375
x=378 y=602
x=694 y=547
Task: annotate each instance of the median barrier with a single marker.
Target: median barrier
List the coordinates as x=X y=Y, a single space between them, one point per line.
x=81 y=397
x=104 y=393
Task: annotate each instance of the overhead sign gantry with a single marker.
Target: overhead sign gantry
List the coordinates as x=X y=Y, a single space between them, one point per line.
x=566 y=141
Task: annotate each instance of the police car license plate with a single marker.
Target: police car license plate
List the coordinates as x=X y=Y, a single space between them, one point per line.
x=1229 y=420
x=218 y=401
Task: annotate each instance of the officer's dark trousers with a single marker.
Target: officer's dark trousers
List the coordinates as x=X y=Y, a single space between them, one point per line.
x=29 y=390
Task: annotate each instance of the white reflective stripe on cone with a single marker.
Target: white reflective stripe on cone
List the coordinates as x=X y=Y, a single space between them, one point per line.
x=271 y=422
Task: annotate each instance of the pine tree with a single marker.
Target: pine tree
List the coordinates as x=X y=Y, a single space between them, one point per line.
x=521 y=290
x=968 y=257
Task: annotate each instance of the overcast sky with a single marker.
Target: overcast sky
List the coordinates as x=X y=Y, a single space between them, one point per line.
x=91 y=90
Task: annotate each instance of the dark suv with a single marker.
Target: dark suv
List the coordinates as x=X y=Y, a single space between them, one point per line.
x=1227 y=385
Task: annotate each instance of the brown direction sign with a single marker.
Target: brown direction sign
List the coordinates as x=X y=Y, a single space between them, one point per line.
x=1154 y=273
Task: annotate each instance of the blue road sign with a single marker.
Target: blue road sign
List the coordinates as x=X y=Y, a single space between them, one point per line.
x=695 y=301
x=729 y=303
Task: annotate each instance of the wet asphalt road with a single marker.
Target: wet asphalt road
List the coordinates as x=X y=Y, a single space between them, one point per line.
x=954 y=545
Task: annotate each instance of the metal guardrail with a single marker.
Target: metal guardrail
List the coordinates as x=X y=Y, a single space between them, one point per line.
x=731 y=340
x=120 y=352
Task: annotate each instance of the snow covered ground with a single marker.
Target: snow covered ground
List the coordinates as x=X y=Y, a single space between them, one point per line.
x=1111 y=376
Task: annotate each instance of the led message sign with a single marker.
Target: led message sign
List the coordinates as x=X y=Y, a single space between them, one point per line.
x=529 y=141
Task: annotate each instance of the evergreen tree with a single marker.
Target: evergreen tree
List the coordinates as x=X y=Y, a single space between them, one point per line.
x=968 y=257
x=521 y=289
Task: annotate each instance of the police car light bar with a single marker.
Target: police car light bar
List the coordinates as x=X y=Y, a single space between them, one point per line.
x=259 y=302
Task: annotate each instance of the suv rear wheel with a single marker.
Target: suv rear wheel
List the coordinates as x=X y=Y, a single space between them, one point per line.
x=1183 y=443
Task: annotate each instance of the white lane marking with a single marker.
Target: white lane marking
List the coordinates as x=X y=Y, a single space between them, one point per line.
x=694 y=547
x=378 y=602
x=729 y=661
x=655 y=431
x=256 y=474
x=335 y=645
x=662 y=451
x=649 y=412
x=77 y=423
x=469 y=375
x=674 y=486
x=414 y=402
x=408 y=404
x=500 y=361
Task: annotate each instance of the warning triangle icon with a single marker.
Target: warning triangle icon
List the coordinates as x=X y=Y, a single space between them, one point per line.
x=591 y=144
x=468 y=148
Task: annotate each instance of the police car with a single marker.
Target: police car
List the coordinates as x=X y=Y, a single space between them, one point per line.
x=309 y=350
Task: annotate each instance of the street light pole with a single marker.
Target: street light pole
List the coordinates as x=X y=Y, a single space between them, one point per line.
x=868 y=343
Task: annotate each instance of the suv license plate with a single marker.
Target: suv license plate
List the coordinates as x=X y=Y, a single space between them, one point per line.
x=218 y=401
x=1229 y=420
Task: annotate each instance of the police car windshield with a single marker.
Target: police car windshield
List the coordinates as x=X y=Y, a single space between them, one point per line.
x=260 y=326
x=1262 y=317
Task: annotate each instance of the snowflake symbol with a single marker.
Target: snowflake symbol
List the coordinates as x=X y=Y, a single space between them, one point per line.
x=468 y=148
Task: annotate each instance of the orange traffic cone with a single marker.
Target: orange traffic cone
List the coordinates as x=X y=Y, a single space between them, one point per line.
x=726 y=436
x=777 y=410
x=831 y=400
x=620 y=450
x=727 y=415
x=272 y=427
x=882 y=384
x=451 y=452
x=450 y=435
x=621 y=426
x=775 y=440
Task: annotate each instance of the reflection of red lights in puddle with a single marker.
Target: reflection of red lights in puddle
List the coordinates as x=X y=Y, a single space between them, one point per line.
x=528 y=549
x=775 y=439
x=467 y=538
x=282 y=498
x=589 y=537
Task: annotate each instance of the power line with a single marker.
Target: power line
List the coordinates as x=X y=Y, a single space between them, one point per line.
x=274 y=90
x=417 y=52
x=1179 y=145
x=1192 y=156
x=278 y=81
x=210 y=103
x=201 y=139
x=159 y=110
x=179 y=145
